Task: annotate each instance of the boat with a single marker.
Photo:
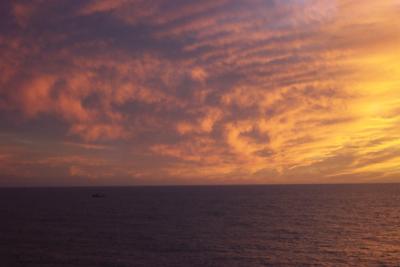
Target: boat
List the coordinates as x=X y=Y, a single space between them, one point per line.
x=97 y=195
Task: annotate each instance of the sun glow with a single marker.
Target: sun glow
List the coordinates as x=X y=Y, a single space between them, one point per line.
x=250 y=91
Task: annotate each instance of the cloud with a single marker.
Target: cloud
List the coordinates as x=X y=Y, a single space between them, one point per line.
x=301 y=91
x=23 y=12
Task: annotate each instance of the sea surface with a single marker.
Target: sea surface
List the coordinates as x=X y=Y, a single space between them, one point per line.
x=294 y=225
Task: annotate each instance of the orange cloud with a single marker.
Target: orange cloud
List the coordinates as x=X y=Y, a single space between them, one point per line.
x=93 y=132
x=23 y=12
x=301 y=91
x=36 y=95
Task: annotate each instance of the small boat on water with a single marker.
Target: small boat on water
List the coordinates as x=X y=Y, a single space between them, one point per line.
x=97 y=195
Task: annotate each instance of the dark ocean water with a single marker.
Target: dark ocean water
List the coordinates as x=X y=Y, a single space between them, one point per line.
x=302 y=225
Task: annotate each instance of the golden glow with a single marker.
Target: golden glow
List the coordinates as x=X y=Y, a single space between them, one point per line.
x=300 y=91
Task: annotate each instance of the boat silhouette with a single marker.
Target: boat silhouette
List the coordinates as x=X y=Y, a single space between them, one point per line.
x=98 y=195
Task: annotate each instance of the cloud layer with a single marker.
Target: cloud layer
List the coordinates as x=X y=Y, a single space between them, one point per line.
x=222 y=91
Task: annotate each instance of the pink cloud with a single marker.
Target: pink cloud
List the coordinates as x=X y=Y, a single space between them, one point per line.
x=230 y=89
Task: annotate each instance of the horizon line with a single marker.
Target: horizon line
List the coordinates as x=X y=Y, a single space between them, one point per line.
x=193 y=185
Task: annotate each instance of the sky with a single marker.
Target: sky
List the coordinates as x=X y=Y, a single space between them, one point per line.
x=158 y=92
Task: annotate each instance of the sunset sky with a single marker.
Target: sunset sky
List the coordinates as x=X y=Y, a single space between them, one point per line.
x=127 y=92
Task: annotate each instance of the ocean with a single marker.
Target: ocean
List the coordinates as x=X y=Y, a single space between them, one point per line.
x=277 y=225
